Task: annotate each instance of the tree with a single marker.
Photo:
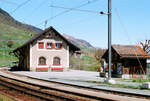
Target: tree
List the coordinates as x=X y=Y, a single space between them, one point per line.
x=10 y=43
x=146 y=46
x=99 y=53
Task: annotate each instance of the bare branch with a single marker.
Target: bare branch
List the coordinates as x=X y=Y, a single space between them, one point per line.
x=146 y=46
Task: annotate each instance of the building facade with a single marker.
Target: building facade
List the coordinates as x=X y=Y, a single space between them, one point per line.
x=47 y=51
x=128 y=61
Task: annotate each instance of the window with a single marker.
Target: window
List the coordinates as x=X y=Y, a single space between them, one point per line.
x=56 y=61
x=41 y=45
x=58 y=45
x=49 y=45
x=42 y=61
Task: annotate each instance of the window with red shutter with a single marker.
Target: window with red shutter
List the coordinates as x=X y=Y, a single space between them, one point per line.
x=53 y=45
x=41 y=45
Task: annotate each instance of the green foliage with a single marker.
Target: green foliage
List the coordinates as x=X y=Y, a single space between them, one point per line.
x=10 y=44
x=5 y=57
x=6 y=98
x=19 y=36
x=117 y=85
x=126 y=86
x=138 y=80
x=10 y=29
x=148 y=75
x=84 y=63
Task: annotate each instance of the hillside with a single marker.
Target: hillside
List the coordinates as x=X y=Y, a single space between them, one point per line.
x=14 y=33
x=79 y=42
x=5 y=18
x=87 y=61
x=10 y=29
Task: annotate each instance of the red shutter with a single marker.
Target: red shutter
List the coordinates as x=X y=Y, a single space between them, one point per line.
x=53 y=45
x=46 y=45
x=41 y=45
x=61 y=46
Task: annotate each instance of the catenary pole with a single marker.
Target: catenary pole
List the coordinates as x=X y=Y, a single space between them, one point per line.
x=109 y=39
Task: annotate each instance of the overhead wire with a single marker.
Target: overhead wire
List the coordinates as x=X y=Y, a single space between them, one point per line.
x=8 y=2
x=123 y=26
x=51 y=16
x=74 y=9
x=51 y=13
x=36 y=8
x=83 y=19
x=79 y=21
x=68 y=10
x=19 y=6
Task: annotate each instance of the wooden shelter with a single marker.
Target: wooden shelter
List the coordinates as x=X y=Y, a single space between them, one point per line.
x=128 y=61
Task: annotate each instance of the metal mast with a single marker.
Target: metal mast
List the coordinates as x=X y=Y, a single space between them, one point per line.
x=109 y=39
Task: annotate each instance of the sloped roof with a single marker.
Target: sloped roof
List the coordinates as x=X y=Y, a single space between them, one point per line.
x=72 y=46
x=130 y=51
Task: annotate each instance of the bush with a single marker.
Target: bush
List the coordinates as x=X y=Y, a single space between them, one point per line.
x=10 y=43
x=84 y=63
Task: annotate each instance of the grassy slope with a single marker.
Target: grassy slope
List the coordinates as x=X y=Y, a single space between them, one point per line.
x=5 y=98
x=10 y=29
x=84 y=63
x=8 y=32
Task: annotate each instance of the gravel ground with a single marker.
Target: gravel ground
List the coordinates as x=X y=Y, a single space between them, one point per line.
x=73 y=75
x=69 y=75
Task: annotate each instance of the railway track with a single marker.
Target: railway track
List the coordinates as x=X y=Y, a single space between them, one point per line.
x=54 y=91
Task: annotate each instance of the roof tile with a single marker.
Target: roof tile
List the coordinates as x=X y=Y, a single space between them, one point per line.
x=129 y=51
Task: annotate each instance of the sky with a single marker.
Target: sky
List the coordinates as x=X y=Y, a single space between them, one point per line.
x=130 y=18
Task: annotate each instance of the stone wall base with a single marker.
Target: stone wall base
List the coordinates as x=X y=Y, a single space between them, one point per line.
x=133 y=76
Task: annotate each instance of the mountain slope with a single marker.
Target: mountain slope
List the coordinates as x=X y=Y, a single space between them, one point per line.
x=5 y=18
x=79 y=42
x=9 y=27
x=14 y=33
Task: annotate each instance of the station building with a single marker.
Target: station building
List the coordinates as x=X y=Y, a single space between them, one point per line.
x=47 y=51
x=128 y=61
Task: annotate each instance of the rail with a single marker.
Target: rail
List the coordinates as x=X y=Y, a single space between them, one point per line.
x=57 y=91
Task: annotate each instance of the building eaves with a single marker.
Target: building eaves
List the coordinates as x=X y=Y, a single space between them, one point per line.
x=72 y=46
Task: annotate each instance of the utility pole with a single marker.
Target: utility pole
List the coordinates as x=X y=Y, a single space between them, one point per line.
x=109 y=39
x=45 y=24
x=109 y=13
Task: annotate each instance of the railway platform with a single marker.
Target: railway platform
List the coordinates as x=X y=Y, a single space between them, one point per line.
x=86 y=79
